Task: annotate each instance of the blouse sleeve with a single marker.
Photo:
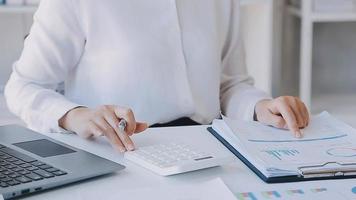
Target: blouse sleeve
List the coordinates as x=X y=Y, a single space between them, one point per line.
x=237 y=94
x=52 y=49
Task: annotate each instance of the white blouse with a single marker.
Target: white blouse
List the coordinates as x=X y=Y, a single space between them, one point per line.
x=165 y=59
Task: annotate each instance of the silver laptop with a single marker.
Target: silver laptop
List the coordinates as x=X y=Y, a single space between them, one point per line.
x=31 y=162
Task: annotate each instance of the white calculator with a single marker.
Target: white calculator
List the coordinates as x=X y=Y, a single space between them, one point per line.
x=173 y=158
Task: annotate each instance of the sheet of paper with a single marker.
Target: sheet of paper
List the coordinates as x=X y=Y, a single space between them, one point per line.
x=326 y=139
x=322 y=127
x=210 y=190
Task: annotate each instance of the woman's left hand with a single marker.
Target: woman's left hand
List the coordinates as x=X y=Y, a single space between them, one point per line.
x=283 y=112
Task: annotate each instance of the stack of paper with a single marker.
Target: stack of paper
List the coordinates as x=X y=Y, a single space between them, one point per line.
x=328 y=146
x=301 y=193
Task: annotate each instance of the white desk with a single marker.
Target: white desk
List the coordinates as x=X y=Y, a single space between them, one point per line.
x=237 y=177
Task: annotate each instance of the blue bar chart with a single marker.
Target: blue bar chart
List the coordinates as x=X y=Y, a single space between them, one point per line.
x=292 y=194
x=282 y=153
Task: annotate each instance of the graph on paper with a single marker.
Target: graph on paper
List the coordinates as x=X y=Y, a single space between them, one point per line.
x=323 y=128
x=277 y=153
x=293 y=194
x=345 y=152
x=337 y=136
x=282 y=154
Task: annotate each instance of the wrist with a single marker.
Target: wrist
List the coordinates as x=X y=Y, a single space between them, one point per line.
x=66 y=121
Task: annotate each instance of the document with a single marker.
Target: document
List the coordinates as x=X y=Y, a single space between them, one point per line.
x=300 y=193
x=210 y=190
x=327 y=143
x=325 y=190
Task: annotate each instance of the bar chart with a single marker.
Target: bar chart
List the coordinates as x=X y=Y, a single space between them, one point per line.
x=281 y=154
x=291 y=194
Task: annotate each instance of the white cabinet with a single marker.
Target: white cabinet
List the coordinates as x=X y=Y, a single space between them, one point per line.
x=309 y=25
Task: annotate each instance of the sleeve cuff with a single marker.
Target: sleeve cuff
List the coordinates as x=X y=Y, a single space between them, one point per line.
x=249 y=113
x=56 y=113
x=242 y=105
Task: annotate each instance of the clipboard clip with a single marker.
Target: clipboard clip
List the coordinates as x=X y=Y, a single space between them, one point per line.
x=328 y=169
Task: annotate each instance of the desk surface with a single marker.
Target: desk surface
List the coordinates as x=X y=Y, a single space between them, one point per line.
x=234 y=174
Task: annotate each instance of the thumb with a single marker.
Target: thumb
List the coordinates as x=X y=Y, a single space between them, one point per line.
x=140 y=126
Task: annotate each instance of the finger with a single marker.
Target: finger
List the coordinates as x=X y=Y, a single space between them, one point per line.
x=114 y=123
x=288 y=116
x=127 y=114
x=112 y=119
x=294 y=105
x=94 y=130
x=110 y=133
x=305 y=113
x=300 y=106
x=89 y=131
x=126 y=140
x=140 y=127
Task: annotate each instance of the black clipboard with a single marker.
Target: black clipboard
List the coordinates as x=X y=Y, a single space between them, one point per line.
x=281 y=179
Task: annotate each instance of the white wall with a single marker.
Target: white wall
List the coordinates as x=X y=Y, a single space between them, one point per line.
x=334 y=62
x=256 y=25
x=10 y=43
x=13 y=28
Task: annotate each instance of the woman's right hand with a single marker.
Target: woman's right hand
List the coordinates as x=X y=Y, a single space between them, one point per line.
x=104 y=120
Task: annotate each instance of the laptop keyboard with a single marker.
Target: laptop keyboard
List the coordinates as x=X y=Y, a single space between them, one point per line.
x=17 y=168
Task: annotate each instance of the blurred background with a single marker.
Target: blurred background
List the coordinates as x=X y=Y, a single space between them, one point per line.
x=303 y=48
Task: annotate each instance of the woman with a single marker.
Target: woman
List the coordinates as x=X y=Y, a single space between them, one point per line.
x=156 y=61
